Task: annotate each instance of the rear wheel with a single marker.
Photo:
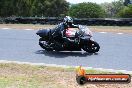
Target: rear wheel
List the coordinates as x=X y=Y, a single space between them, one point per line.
x=91 y=47
x=44 y=44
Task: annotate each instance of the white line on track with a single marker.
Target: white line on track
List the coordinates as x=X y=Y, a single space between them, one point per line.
x=120 y=33
x=28 y=29
x=103 y=32
x=65 y=66
x=6 y=28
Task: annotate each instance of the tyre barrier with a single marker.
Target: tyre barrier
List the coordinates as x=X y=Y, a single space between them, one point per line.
x=56 y=20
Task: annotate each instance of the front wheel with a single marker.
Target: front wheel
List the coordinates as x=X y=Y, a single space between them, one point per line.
x=91 y=47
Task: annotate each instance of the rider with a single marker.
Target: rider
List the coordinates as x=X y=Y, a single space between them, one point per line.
x=68 y=22
x=60 y=31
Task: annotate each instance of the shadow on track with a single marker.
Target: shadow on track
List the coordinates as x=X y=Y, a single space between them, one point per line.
x=63 y=54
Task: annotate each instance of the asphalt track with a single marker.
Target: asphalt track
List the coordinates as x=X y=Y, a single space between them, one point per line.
x=22 y=45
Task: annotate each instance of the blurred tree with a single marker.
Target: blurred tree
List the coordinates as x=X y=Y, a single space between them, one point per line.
x=33 y=7
x=113 y=8
x=54 y=8
x=126 y=12
x=86 y=10
x=127 y=2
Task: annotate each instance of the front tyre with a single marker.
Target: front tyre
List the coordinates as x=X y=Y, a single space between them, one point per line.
x=91 y=47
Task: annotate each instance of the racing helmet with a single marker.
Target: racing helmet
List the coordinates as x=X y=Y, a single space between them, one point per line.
x=68 y=20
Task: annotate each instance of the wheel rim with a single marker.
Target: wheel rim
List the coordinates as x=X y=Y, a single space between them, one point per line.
x=44 y=43
x=92 y=47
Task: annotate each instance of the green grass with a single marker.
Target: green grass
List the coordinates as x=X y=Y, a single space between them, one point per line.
x=27 y=82
x=29 y=76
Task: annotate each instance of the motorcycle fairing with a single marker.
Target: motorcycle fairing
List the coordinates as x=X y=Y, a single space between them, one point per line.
x=71 y=32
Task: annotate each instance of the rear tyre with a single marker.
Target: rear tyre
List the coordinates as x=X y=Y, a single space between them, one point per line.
x=43 y=44
x=91 y=47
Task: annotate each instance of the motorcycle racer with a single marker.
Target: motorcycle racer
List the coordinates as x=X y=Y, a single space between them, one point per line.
x=67 y=36
x=63 y=27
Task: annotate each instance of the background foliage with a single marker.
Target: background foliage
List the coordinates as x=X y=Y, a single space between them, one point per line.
x=86 y=10
x=112 y=8
x=126 y=12
x=57 y=8
x=33 y=7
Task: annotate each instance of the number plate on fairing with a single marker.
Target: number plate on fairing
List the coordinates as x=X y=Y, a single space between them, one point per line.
x=70 y=32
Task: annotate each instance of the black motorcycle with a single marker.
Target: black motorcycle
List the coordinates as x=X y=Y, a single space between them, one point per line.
x=75 y=39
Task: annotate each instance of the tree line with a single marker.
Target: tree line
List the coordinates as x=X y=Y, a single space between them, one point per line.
x=27 y=8
x=57 y=8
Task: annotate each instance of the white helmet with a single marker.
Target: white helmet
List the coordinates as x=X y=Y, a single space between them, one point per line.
x=68 y=19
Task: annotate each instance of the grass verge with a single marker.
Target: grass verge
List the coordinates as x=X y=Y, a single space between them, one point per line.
x=14 y=75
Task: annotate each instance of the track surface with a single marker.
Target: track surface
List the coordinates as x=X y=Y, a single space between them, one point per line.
x=22 y=45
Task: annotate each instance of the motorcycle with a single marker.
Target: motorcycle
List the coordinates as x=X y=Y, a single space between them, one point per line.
x=75 y=39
